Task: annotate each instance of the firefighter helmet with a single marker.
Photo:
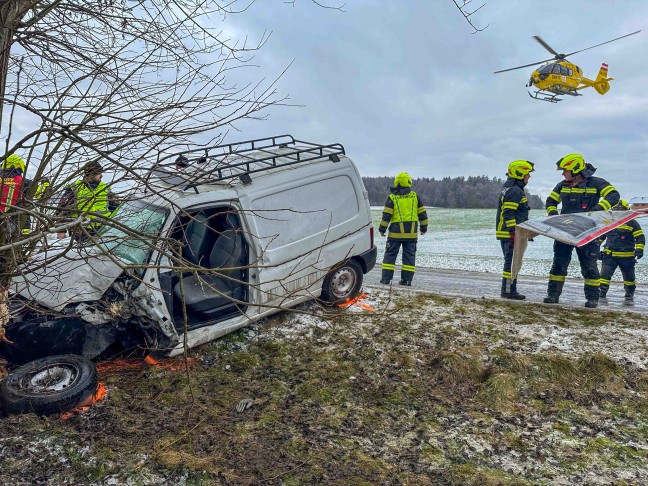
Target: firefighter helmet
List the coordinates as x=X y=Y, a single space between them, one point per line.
x=520 y=168
x=14 y=162
x=403 y=179
x=573 y=162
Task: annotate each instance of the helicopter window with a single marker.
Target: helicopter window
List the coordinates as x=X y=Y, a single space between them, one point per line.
x=556 y=68
x=545 y=69
x=570 y=72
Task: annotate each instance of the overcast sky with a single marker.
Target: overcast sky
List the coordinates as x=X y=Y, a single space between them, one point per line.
x=404 y=85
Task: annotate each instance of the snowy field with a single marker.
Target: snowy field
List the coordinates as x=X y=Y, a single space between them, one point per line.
x=464 y=239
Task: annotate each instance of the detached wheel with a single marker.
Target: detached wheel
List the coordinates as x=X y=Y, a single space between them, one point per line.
x=342 y=283
x=49 y=385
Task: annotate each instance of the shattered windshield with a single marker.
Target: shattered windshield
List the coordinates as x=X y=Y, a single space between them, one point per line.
x=135 y=231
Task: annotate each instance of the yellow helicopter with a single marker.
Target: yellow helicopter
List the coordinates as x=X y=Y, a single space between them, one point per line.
x=562 y=77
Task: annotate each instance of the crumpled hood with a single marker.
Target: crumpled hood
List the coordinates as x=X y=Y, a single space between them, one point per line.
x=78 y=276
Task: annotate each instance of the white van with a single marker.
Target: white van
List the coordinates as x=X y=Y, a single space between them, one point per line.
x=216 y=239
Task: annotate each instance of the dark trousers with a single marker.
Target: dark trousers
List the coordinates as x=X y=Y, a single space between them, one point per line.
x=627 y=266
x=588 y=258
x=508 y=285
x=409 y=259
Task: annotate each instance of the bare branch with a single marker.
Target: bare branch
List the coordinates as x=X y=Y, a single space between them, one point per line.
x=467 y=14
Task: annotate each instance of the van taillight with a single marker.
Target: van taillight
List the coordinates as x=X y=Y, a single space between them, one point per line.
x=371 y=231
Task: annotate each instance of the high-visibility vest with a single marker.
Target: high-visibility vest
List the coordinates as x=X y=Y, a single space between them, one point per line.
x=90 y=200
x=40 y=190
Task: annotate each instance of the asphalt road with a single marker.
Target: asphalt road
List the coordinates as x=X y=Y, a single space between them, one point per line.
x=460 y=283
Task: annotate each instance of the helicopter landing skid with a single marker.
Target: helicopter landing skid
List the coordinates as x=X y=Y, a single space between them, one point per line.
x=545 y=96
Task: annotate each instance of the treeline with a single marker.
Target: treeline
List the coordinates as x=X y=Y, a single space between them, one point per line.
x=457 y=192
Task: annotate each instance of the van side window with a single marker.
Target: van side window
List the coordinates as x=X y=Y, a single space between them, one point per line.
x=304 y=211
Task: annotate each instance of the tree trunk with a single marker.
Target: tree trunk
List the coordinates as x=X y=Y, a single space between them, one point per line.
x=11 y=14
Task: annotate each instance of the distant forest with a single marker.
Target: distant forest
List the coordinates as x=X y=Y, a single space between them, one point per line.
x=458 y=192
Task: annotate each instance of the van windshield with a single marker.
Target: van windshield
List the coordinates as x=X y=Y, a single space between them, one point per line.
x=134 y=235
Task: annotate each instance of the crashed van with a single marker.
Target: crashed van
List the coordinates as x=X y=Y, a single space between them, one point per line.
x=214 y=239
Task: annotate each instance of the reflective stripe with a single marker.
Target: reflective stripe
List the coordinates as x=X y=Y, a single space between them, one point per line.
x=550 y=209
x=510 y=223
x=637 y=233
x=384 y=224
x=557 y=278
x=604 y=204
x=620 y=254
x=578 y=190
x=388 y=266
x=510 y=205
x=625 y=227
x=555 y=196
x=629 y=284
x=388 y=210
x=399 y=236
x=607 y=190
x=503 y=234
x=421 y=209
x=605 y=282
x=506 y=275
x=408 y=268
x=593 y=282
x=640 y=246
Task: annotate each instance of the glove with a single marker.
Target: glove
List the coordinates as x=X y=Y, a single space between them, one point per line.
x=638 y=254
x=512 y=240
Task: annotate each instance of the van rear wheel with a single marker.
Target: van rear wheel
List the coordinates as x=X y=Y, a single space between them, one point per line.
x=342 y=283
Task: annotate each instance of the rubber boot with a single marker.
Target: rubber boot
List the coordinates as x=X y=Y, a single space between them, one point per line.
x=554 y=289
x=385 y=281
x=591 y=304
x=628 y=299
x=603 y=292
x=509 y=290
x=406 y=283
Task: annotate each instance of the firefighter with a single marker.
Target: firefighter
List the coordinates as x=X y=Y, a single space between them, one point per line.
x=512 y=208
x=624 y=246
x=403 y=213
x=43 y=190
x=579 y=192
x=13 y=185
x=13 y=182
x=90 y=197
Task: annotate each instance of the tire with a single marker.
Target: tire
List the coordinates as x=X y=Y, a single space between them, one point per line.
x=49 y=385
x=342 y=283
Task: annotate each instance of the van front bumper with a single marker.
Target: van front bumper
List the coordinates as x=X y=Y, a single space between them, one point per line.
x=368 y=259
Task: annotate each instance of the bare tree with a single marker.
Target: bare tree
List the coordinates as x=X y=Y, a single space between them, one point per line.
x=115 y=81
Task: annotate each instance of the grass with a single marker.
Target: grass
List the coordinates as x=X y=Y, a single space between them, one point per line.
x=440 y=392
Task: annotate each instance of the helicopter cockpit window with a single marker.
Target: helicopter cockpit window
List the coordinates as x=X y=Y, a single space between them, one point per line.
x=545 y=69
x=556 y=68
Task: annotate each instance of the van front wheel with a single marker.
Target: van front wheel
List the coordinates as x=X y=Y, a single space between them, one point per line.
x=342 y=283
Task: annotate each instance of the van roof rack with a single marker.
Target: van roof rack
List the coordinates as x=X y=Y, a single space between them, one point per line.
x=211 y=164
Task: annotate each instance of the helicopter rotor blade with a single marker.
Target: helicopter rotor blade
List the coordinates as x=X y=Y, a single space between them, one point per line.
x=520 y=67
x=545 y=45
x=606 y=42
